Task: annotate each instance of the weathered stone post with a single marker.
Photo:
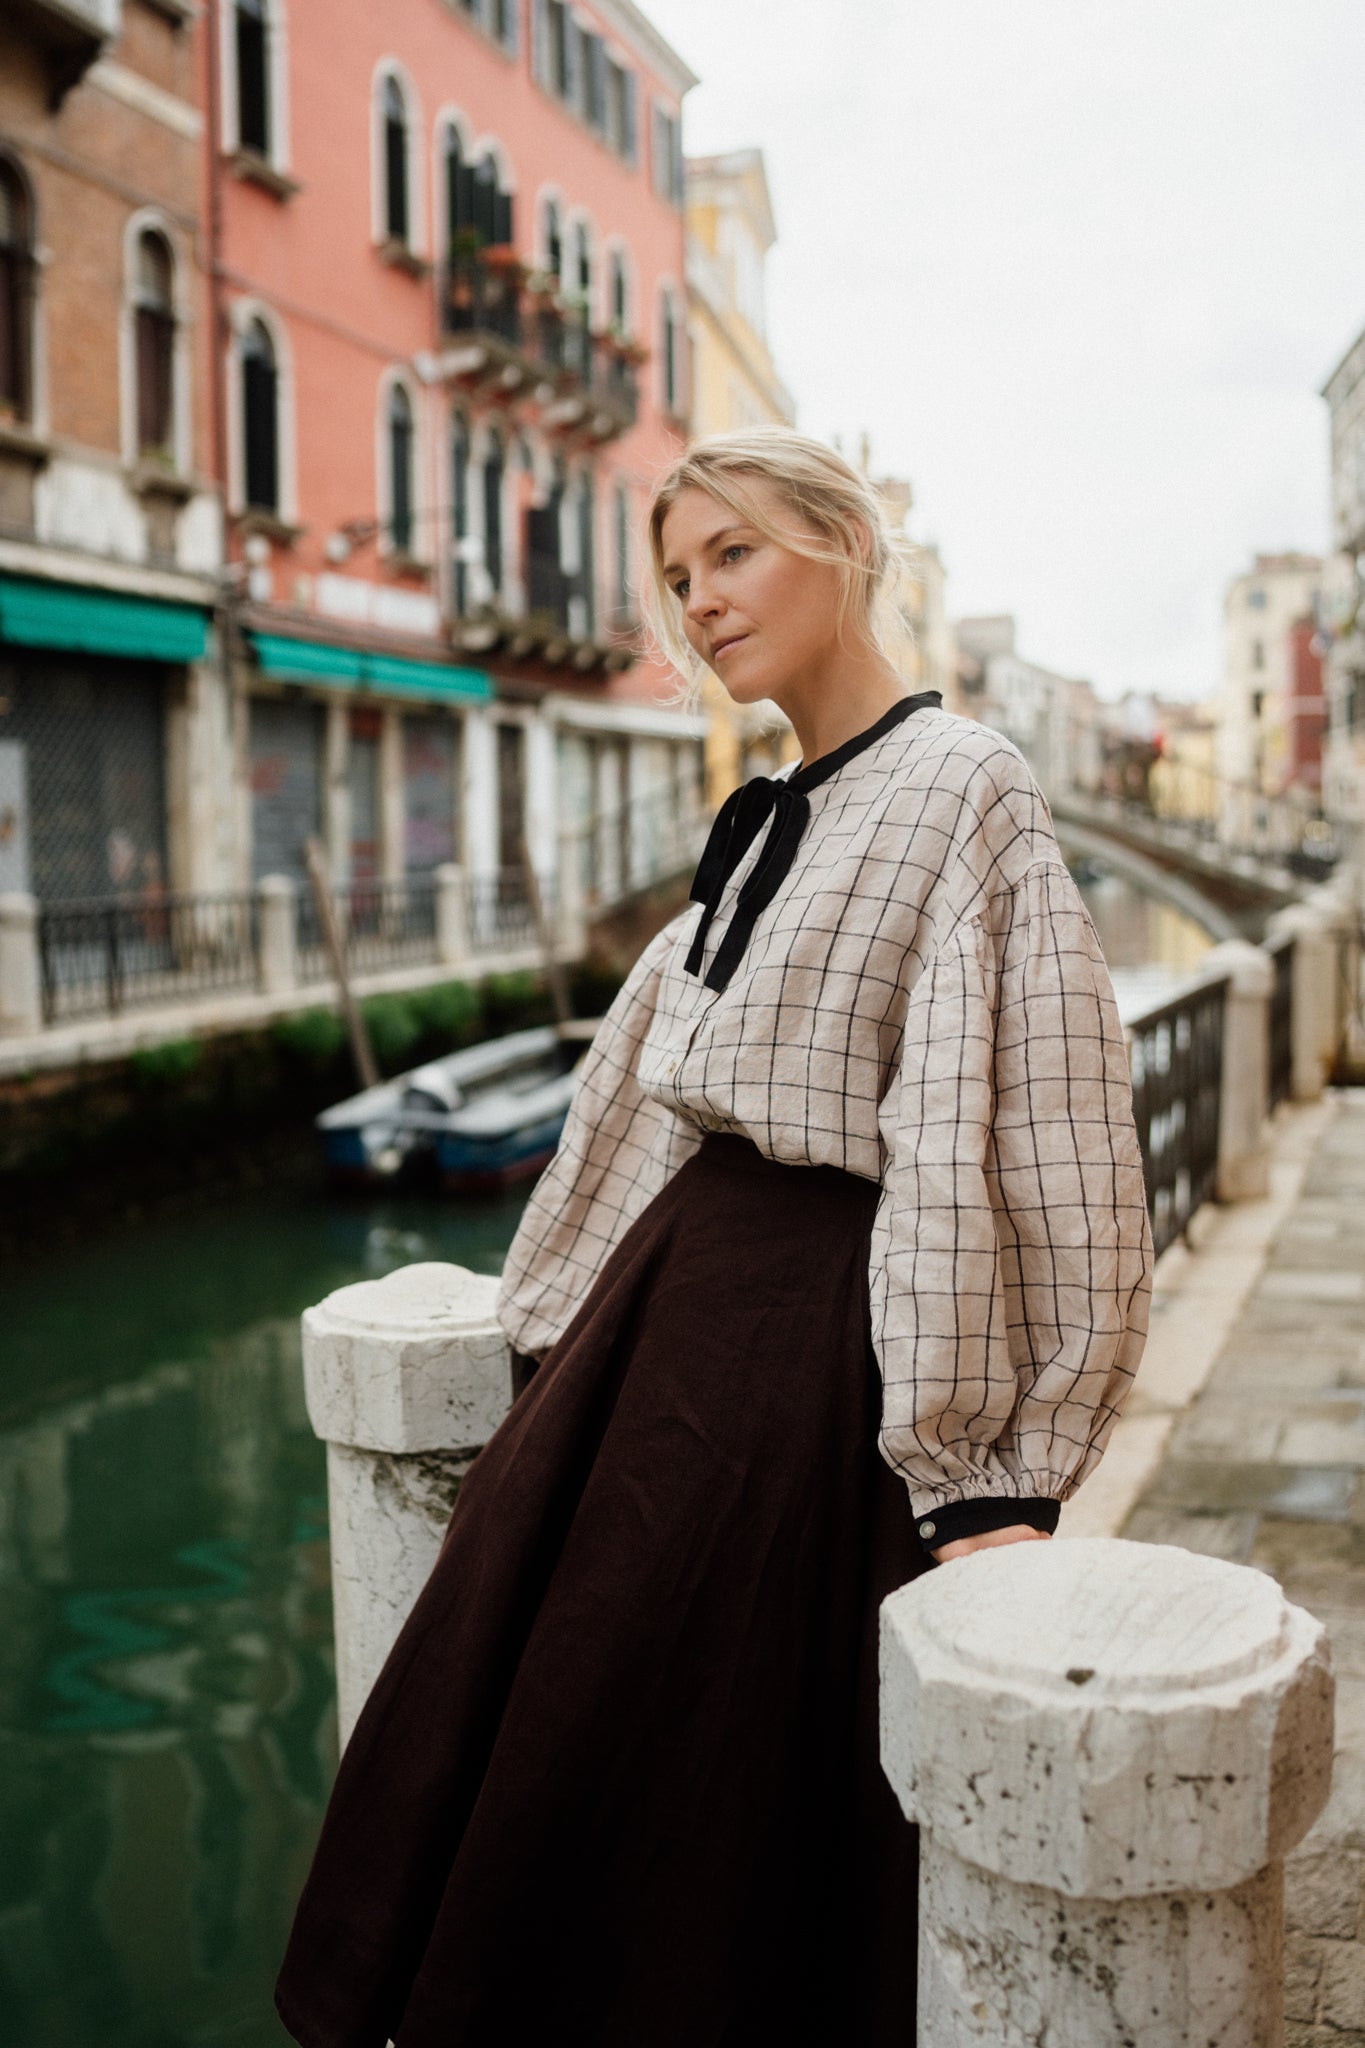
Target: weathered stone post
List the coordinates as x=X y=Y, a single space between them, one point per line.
x=1313 y=970
x=1109 y=1748
x=406 y=1378
x=572 y=932
x=21 y=988
x=452 y=916
x=1244 y=1088
x=277 y=900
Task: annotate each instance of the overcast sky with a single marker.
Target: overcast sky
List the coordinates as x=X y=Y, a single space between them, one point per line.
x=1080 y=268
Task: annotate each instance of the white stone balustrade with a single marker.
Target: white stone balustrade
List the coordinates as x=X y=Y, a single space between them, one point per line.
x=452 y=916
x=1244 y=1082
x=406 y=1379
x=21 y=993
x=1109 y=1748
x=277 y=909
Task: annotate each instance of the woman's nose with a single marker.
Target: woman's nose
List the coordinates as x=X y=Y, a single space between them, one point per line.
x=702 y=603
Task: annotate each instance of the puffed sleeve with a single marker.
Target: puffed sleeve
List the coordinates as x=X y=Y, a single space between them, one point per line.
x=1011 y=1256
x=617 y=1151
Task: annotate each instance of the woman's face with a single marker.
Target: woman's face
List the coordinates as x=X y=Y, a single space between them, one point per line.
x=765 y=619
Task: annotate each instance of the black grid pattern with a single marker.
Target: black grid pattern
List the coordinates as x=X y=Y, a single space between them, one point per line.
x=924 y=1004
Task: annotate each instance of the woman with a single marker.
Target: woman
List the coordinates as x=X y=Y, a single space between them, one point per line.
x=853 y=1156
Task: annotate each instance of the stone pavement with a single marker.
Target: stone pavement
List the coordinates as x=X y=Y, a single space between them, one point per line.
x=1266 y=1466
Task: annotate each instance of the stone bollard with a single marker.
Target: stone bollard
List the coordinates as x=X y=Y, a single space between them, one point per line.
x=406 y=1378
x=1312 y=1012
x=277 y=898
x=1244 y=1086
x=1109 y=1747
x=21 y=986
x=452 y=916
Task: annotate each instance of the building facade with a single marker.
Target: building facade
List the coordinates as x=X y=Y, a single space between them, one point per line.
x=1271 y=708
x=735 y=384
x=110 y=528
x=1344 y=598
x=450 y=280
x=1052 y=719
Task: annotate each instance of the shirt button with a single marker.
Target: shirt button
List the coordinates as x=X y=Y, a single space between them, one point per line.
x=926 y=1530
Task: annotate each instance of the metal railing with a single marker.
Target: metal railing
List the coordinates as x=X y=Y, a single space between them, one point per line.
x=100 y=956
x=500 y=912
x=554 y=339
x=382 y=924
x=628 y=848
x=1175 y=1055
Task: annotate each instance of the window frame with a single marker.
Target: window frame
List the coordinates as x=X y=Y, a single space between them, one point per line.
x=243 y=313
x=277 y=155
x=390 y=75
x=21 y=289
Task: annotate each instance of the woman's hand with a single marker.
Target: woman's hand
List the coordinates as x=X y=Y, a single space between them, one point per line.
x=1018 y=1532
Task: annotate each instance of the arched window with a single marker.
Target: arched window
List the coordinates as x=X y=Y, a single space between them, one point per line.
x=494 y=469
x=401 y=448
x=459 y=507
x=397 y=209
x=620 y=298
x=154 y=344
x=260 y=420
x=476 y=204
x=16 y=291
x=252 y=33
x=554 y=239
x=668 y=352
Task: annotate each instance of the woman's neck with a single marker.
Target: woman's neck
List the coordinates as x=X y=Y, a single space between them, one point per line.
x=848 y=696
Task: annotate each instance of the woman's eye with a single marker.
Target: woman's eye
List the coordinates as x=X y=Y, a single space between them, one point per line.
x=680 y=589
x=734 y=551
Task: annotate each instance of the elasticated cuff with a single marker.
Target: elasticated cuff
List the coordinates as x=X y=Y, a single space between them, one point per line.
x=978 y=1517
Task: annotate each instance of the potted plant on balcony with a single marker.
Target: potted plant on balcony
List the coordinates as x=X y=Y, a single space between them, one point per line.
x=503 y=258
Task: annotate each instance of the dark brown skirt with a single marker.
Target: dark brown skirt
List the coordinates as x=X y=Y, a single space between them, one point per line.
x=617 y=1784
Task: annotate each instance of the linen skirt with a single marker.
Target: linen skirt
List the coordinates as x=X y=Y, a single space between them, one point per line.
x=617 y=1784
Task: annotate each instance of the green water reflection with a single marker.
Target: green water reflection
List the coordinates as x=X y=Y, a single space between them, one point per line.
x=167 y=1728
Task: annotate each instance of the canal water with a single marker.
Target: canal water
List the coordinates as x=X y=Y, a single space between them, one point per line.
x=167 y=1727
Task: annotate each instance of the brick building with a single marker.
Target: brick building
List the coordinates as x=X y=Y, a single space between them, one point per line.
x=110 y=532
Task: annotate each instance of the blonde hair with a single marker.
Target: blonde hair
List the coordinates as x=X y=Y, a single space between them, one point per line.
x=839 y=520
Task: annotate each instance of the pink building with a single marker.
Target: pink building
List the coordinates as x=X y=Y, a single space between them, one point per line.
x=447 y=250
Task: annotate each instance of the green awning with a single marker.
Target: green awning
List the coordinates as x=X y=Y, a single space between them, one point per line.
x=34 y=613
x=286 y=660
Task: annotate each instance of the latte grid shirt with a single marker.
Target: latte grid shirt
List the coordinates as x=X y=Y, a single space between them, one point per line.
x=925 y=1004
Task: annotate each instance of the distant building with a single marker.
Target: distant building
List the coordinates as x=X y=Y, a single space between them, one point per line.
x=110 y=530
x=730 y=230
x=1344 y=595
x=1270 y=706
x=1051 y=718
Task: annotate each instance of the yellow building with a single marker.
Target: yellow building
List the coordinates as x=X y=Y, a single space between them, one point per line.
x=730 y=230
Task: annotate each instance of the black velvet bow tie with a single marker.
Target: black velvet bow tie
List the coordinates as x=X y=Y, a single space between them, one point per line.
x=738 y=823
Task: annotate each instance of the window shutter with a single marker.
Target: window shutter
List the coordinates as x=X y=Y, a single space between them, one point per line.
x=509 y=24
x=597 y=83
x=467 y=199
x=540 y=43
x=260 y=409
x=658 y=145
x=572 y=81
x=679 y=176
x=502 y=217
x=630 y=120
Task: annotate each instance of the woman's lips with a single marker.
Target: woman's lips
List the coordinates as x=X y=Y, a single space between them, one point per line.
x=725 y=646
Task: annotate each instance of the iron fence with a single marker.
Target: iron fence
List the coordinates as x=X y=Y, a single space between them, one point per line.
x=1176 y=1056
x=99 y=956
x=630 y=847
x=381 y=924
x=500 y=912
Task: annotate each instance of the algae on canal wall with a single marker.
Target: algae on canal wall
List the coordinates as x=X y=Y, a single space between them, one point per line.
x=85 y=1144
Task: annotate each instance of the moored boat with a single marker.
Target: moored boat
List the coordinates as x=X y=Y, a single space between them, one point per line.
x=480 y=1119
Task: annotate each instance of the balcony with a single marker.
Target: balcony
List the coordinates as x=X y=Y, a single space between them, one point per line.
x=70 y=34
x=509 y=337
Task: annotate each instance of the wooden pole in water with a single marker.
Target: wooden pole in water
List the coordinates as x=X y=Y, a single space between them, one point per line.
x=361 y=1050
